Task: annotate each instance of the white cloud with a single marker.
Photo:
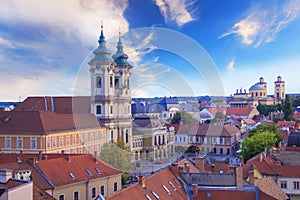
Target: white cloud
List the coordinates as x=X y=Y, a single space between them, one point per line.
x=175 y=10
x=72 y=18
x=6 y=43
x=262 y=25
x=231 y=65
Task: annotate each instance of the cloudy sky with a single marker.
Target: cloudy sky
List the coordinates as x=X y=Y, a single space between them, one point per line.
x=177 y=47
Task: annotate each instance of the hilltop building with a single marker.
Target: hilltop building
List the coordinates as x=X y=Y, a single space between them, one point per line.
x=258 y=94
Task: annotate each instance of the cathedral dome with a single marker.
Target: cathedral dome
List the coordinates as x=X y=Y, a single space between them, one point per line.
x=257 y=87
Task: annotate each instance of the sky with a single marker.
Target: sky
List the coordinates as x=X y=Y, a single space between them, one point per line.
x=176 y=47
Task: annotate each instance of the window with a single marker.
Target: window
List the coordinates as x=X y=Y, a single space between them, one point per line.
x=61 y=197
x=74 y=139
x=33 y=143
x=102 y=189
x=111 y=109
x=283 y=184
x=127 y=137
x=20 y=143
x=60 y=141
x=98 y=82
x=111 y=81
x=48 y=142
x=7 y=143
x=296 y=185
x=115 y=186
x=117 y=82
x=127 y=82
x=93 y=192
x=98 y=110
x=68 y=140
x=76 y=195
x=54 y=141
x=112 y=135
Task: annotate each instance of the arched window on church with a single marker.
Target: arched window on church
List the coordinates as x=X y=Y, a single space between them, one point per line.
x=98 y=82
x=98 y=109
x=256 y=94
x=126 y=136
x=111 y=81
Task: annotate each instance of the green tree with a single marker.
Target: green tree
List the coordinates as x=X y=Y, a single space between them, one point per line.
x=184 y=117
x=264 y=136
x=118 y=158
x=288 y=108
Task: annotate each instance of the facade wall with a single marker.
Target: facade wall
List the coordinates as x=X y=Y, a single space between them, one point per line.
x=78 y=141
x=85 y=188
x=24 y=192
x=290 y=185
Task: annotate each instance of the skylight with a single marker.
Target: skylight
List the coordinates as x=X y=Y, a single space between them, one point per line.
x=98 y=170
x=147 y=196
x=155 y=195
x=72 y=175
x=89 y=172
x=173 y=186
x=167 y=190
x=177 y=182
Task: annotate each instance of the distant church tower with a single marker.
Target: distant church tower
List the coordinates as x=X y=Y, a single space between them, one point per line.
x=279 y=86
x=110 y=90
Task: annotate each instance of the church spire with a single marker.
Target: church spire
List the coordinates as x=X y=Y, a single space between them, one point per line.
x=102 y=54
x=120 y=57
x=101 y=38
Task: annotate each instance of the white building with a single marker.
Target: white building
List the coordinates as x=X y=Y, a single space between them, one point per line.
x=110 y=90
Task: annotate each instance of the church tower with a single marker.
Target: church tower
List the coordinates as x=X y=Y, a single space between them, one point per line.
x=279 y=85
x=110 y=90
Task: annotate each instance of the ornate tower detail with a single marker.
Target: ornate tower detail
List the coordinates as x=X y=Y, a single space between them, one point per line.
x=279 y=86
x=110 y=90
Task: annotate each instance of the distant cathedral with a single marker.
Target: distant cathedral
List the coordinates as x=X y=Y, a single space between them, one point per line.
x=258 y=94
x=110 y=90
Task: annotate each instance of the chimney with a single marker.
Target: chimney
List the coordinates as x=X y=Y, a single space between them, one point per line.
x=187 y=168
x=251 y=177
x=96 y=156
x=19 y=159
x=174 y=169
x=68 y=157
x=195 y=189
x=45 y=157
x=199 y=163
x=260 y=157
x=278 y=163
x=40 y=155
x=239 y=176
x=142 y=181
x=35 y=161
x=241 y=160
x=5 y=175
x=180 y=169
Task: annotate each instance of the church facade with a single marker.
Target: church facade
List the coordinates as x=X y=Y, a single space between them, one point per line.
x=110 y=90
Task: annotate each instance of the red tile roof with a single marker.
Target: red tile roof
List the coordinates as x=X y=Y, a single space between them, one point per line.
x=208 y=129
x=234 y=111
x=61 y=105
x=297 y=115
x=225 y=194
x=249 y=121
x=153 y=183
x=268 y=166
x=286 y=123
x=58 y=171
x=39 y=122
x=269 y=187
x=11 y=183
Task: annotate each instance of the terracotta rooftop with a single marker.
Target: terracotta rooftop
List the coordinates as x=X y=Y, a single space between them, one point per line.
x=268 y=186
x=268 y=166
x=156 y=184
x=39 y=122
x=11 y=183
x=249 y=121
x=286 y=123
x=233 y=111
x=63 y=171
x=225 y=194
x=60 y=105
x=207 y=129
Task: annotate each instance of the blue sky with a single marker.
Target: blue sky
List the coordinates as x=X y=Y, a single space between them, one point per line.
x=177 y=47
